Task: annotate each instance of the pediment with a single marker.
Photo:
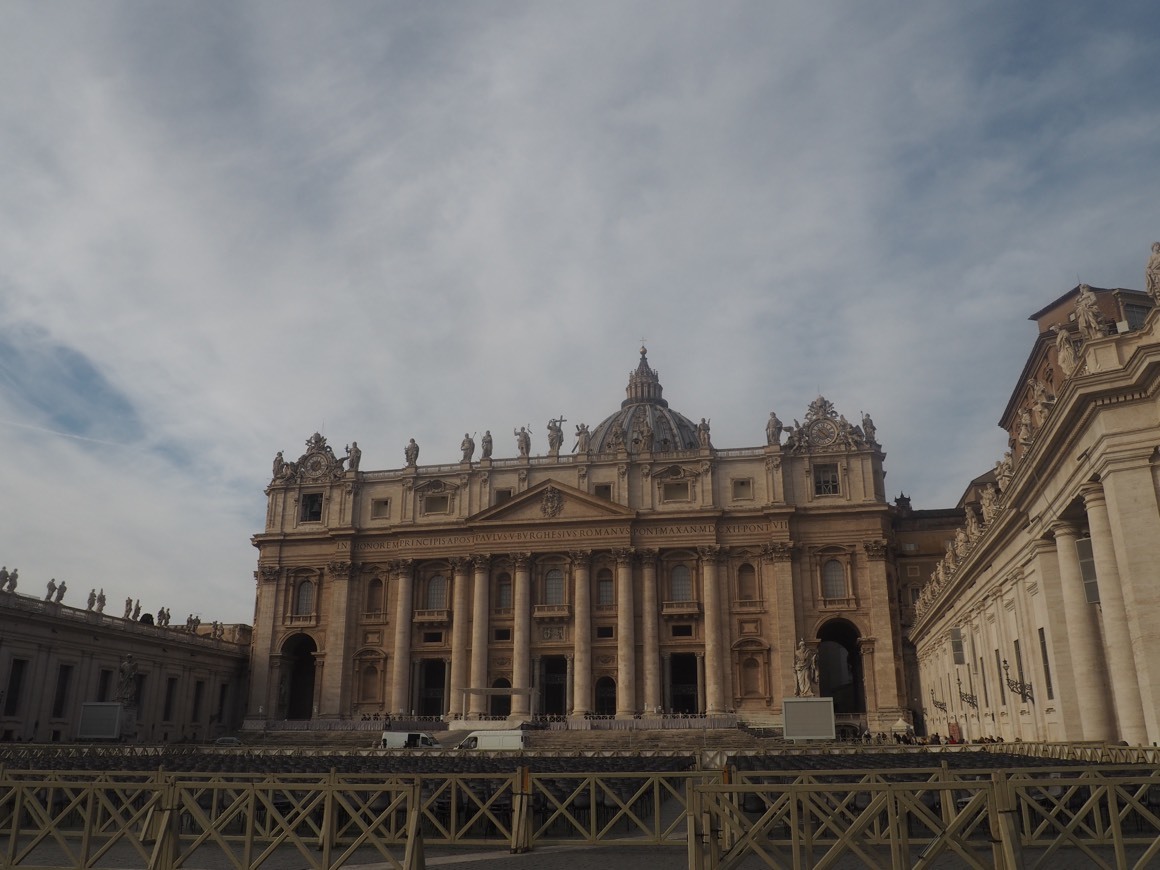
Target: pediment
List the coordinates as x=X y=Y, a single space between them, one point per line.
x=552 y=501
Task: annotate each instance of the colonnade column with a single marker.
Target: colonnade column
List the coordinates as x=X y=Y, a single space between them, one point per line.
x=1121 y=663
x=649 y=631
x=522 y=634
x=460 y=627
x=404 y=571
x=335 y=690
x=778 y=555
x=625 y=637
x=700 y=682
x=581 y=684
x=714 y=654
x=477 y=704
x=1089 y=676
x=667 y=675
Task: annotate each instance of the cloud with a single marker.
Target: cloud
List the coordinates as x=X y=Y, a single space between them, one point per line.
x=225 y=227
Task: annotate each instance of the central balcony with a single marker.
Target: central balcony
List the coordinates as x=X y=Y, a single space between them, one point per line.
x=552 y=612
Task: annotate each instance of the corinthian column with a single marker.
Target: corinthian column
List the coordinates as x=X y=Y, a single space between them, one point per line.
x=1089 y=676
x=404 y=572
x=625 y=637
x=477 y=705
x=460 y=626
x=714 y=654
x=649 y=632
x=522 y=635
x=582 y=639
x=1121 y=663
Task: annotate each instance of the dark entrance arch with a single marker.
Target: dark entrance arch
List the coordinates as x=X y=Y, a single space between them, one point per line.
x=501 y=705
x=296 y=694
x=840 y=667
x=605 y=697
x=553 y=698
x=683 y=683
x=432 y=677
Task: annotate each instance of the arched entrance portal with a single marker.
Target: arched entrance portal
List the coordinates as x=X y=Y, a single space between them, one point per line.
x=605 y=697
x=296 y=693
x=432 y=677
x=840 y=667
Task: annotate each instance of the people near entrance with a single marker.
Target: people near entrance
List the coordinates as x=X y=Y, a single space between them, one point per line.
x=805 y=669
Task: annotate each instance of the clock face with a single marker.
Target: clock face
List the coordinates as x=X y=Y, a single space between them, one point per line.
x=823 y=432
x=315 y=465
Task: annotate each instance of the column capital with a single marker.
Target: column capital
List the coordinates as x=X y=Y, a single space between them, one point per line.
x=647 y=555
x=460 y=564
x=712 y=553
x=777 y=551
x=521 y=560
x=1093 y=494
x=580 y=558
x=481 y=561
x=623 y=555
x=875 y=549
x=401 y=566
x=1065 y=528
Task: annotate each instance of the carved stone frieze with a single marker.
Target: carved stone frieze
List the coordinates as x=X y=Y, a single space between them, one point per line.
x=875 y=549
x=777 y=551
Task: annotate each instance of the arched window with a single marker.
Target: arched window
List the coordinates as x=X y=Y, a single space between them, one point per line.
x=833 y=580
x=437 y=593
x=304 y=599
x=604 y=587
x=503 y=592
x=375 y=596
x=554 y=587
x=746 y=583
x=681 y=583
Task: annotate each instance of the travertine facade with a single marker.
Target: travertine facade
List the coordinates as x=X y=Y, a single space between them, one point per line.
x=1042 y=621
x=647 y=571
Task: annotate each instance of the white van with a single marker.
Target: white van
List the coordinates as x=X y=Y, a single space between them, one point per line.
x=407 y=740
x=492 y=740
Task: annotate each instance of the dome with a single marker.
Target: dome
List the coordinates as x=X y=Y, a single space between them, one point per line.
x=670 y=429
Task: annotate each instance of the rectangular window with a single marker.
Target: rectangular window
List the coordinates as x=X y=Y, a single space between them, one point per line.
x=15 y=684
x=1135 y=315
x=914 y=591
x=311 y=508
x=170 y=697
x=682 y=631
x=1047 y=686
x=502 y=495
x=436 y=504
x=826 y=480
x=743 y=490
x=60 y=697
x=503 y=597
x=1002 y=683
x=604 y=590
x=502 y=634
x=381 y=509
x=198 y=693
x=603 y=490
x=104 y=680
x=678 y=491
x=1087 y=570
x=957 y=646
x=603 y=632
x=432 y=637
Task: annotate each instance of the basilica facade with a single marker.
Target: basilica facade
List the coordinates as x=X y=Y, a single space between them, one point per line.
x=647 y=572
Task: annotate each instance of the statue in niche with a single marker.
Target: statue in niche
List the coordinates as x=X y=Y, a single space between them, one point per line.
x=1087 y=314
x=773 y=429
x=127 y=687
x=1065 y=355
x=411 y=452
x=523 y=441
x=555 y=435
x=582 y=439
x=1152 y=273
x=485 y=445
x=353 y=456
x=805 y=669
x=467 y=446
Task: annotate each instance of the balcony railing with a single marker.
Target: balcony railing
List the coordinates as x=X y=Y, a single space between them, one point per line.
x=432 y=617
x=552 y=611
x=680 y=608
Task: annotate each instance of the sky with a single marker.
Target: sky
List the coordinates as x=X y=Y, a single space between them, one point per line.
x=227 y=225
